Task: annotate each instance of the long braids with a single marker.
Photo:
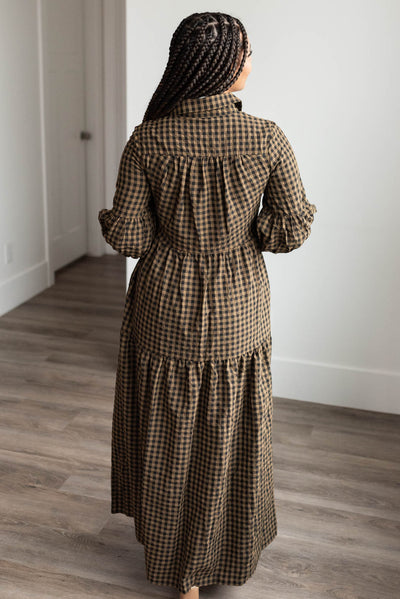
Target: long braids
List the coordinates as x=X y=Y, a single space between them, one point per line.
x=203 y=60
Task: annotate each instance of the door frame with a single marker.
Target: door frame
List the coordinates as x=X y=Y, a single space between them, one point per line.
x=105 y=113
x=105 y=48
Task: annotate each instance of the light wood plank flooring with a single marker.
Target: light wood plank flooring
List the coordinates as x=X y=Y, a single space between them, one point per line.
x=336 y=469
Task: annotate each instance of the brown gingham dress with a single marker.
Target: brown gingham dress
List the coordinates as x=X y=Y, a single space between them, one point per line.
x=192 y=420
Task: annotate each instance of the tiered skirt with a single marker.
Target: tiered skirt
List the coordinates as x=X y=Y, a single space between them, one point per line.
x=192 y=462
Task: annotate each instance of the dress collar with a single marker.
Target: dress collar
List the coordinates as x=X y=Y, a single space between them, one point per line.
x=208 y=104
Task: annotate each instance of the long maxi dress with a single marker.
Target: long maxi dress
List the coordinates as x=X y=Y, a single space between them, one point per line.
x=192 y=420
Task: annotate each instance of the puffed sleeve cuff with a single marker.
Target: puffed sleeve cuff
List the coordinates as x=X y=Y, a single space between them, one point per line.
x=278 y=232
x=128 y=236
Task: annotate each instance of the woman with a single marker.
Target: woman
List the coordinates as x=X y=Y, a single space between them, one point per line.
x=192 y=421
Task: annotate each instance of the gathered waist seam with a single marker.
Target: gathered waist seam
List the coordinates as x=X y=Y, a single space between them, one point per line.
x=265 y=343
x=161 y=237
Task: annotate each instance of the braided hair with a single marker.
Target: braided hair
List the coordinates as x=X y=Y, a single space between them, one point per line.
x=204 y=56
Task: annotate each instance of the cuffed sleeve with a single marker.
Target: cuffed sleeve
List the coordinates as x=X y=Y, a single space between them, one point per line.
x=130 y=226
x=284 y=221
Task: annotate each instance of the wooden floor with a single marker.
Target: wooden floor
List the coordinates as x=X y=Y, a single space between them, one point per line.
x=336 y=470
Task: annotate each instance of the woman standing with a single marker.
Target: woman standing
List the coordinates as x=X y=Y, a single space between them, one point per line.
x=192 y=421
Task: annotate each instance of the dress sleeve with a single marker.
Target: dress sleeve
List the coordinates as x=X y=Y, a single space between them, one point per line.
x=284 y=221
x=130 y=226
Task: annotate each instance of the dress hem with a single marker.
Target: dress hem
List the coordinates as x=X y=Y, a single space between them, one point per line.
x=214 y=579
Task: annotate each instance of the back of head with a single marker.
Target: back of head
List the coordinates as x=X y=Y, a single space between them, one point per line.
x=204 y=59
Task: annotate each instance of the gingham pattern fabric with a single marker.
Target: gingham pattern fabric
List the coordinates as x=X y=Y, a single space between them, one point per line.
x=192 y=421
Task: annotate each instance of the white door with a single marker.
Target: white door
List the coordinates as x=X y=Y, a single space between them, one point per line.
x=64 y=101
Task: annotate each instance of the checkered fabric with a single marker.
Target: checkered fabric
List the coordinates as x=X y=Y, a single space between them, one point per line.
x=192 y=421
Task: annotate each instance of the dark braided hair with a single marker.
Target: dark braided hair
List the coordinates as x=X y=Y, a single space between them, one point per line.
x=203 y=60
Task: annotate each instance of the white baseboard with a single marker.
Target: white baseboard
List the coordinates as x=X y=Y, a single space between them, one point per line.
x=351 y=387
x=23 y=286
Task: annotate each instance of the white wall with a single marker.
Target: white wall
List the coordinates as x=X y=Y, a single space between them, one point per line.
x=327 y=73
x=22 y=221
x=23 y=200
